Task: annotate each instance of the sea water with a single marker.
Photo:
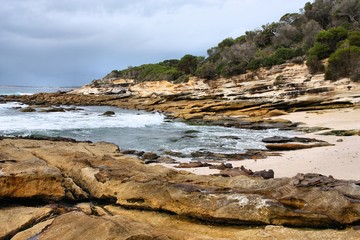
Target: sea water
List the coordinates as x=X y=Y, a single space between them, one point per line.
x=20 y=90
x=129 y=129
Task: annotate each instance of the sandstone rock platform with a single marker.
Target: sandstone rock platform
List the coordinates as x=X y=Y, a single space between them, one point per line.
x=74 y=190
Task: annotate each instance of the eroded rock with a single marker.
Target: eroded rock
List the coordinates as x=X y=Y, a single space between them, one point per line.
x=105 y=174
x=16 y=218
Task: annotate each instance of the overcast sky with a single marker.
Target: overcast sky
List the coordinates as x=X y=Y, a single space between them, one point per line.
x=72 y=42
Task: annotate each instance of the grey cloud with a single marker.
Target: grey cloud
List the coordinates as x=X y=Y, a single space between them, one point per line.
x=67 y=42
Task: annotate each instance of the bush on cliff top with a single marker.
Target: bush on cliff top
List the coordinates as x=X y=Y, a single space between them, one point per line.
x=317 y=32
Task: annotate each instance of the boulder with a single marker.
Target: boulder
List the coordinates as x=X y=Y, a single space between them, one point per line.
x=27 y=109
x=150 y=156
x=108 y=113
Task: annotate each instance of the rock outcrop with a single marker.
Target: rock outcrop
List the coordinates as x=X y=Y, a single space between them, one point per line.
x=52 y=172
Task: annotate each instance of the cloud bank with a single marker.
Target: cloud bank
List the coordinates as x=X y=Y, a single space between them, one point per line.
x=70 y=43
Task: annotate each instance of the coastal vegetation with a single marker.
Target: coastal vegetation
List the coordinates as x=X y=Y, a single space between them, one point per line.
x=324 y=29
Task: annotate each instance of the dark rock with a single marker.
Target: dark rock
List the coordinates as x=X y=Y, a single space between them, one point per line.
x=222 y=166
x=249 y=154
x=343 y=133
x=232 y=172
x=73 y=109
x=46 y=138
x=193 y=165
x=149 y=161
x=175 y=154
x=265 y=174
x=278 y=139
x=108 y=113
x=150 y=156
x=57 y=109
x=133 y=152
x=27 y=109
x=230 y=137
x=166 y=160
x=191 y=131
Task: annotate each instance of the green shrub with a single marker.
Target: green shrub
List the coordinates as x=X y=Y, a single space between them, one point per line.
x=254 y=64
x=319 y=51
x=354 y=38
x=206 y=70
x=332 y=36
x=151 y=72
x=314 y=64
x=232 y=69
x=287 y=53
x=189 y=63
x=345 y=62
x=227 y=42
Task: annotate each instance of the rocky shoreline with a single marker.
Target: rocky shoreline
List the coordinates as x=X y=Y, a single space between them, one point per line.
x=60 y=189
x=245 y=101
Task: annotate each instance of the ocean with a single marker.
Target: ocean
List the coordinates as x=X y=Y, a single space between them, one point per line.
x=129 y=129
x=18 y=90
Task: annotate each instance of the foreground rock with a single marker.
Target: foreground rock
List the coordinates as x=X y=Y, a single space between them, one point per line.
x=37 y=172
x=14 y=219
x=101 y=171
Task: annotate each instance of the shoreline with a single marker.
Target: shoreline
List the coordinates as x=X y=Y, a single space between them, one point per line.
x=337 y=161
x=341 y=160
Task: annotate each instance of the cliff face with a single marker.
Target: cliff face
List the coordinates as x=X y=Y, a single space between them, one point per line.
x=242 y=101
x=283 y=82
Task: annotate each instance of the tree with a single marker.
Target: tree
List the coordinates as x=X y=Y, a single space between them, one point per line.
x=354 y=38
x=286 y=35
x=320 y=11
x=189 y=63
x=310 y=31
x=227 y=42
x=344 y=62
x=206 y=70
x=264 y=37
x=347 y=11
x=240 y=52
x=331 y=37
x=289 y=18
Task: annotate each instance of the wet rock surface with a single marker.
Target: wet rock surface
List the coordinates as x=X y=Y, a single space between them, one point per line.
x=56 y=171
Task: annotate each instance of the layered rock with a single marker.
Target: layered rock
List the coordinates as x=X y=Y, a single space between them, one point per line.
x=77 y=171
x=244 y=101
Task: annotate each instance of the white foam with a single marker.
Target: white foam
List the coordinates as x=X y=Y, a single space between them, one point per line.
x=16 y=121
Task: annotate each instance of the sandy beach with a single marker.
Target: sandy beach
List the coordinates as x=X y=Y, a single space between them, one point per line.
x=342 y=160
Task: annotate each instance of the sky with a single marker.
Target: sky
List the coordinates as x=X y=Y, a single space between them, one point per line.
x=72 y=42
